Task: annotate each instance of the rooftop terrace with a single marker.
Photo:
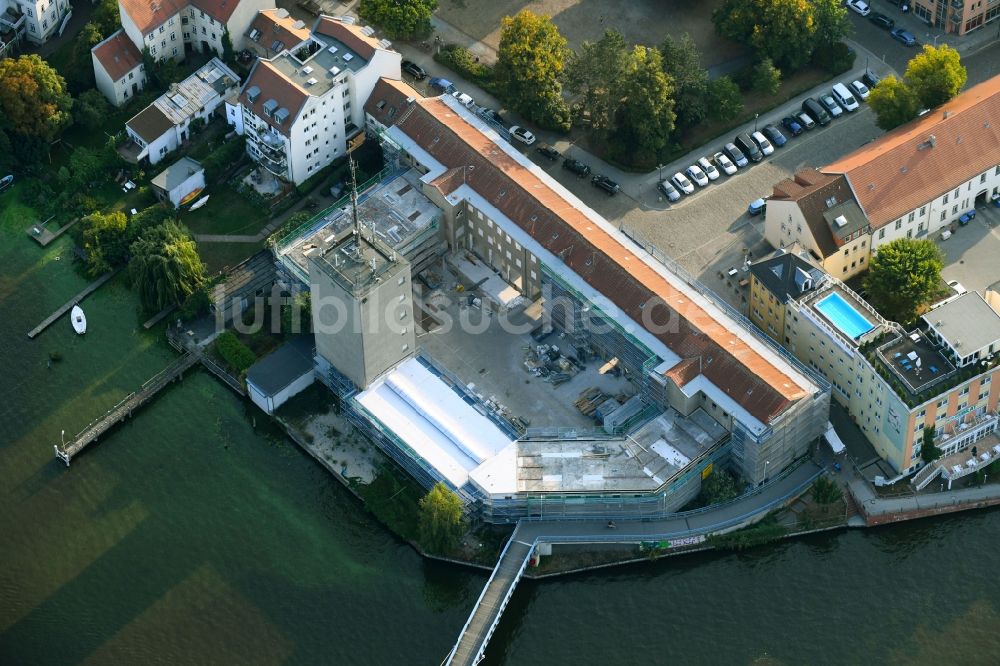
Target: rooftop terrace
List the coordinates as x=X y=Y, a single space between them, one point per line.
x=915 y=361
x=354 y=261
x=316 y=65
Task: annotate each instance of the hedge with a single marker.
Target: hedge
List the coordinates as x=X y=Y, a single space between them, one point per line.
x=463 y=62
x=237 y=355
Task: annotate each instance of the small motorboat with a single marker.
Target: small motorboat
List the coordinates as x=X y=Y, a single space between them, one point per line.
x=6 y=182
x=79 y=320
x=191 y=196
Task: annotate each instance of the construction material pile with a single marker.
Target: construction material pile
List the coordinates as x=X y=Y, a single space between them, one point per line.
x=547 y=362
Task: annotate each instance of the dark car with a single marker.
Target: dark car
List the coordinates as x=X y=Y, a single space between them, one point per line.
x=576 y=166
x=442 y=85
x=814 y=110
x=490 y=114
x=882 y=21
x=606 y=184
x=736 y=155
x=870 y=78
x=792 y=125
x=749 y=147
x=775 y=136
x=904 y=37
x=414 y=70
x=548 y=151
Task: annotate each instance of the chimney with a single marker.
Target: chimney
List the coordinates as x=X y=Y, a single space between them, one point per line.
x=932 y=140
x=947 y=114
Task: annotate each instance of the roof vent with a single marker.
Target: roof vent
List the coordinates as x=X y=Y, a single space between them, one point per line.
x=253 y=92
x=840 y=221
x=298 y=25
x=311 y=82
x=385 y=44
x=335 y=70
x=282 y=13
x=349 y=20
x=929 y=143
x=947 y=113
x=871 y=186
x=307 y=70
x=367 y=31
x=332 y=49
x=348 y=57
x=831 y=202
x=903 y=169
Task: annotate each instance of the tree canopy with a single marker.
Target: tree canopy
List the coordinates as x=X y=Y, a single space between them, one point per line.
x=682 y=63
x=766 y=77
x=935 y=75
x=399 y=18
x=826 y=491
x=893 y=102
x=596 y=72
x=165 y=266
x=530 y=64
x=903 y=276
x=646 y=115
x=91 y=109
x=441 y=522
x=33 y=98
x=105 y=240
x=725 y=101
x=929 y=452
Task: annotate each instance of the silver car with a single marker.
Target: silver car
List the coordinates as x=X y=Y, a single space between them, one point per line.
x=708 y=168
x=682 y=183
x=724 y=163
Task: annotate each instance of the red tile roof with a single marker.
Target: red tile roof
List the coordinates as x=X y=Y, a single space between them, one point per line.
x=150 y=14
x=117 y=55
x=905 y=169
x=274 y=28
x=220 y=10
x=351 y=35
x=388 y=99
x=273 y=85
x=603 y=261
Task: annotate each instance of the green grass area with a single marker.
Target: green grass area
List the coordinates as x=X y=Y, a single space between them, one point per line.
x=227 y=212
x=218 y=256
x=393 y=497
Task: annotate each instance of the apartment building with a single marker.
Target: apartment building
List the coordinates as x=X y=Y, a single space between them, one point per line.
x=304 y=108
x=957 y=16
x=942 y=375
x=168 y=27
x=273 y=31
x=34 y=20
x=118 y=68
x=776 y=280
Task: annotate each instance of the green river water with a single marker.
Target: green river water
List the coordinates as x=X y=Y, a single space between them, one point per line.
x=188 y=536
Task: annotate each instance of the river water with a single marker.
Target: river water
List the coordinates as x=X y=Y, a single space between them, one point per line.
x=191 y=535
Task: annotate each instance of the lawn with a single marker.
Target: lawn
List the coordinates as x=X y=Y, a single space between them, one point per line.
x=218 y=256
x=227 y=212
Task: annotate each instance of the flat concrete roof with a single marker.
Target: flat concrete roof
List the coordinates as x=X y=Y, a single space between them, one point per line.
x=282 y=366
x=967 y=324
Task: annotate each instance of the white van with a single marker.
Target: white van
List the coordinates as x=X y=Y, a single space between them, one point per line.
x=845 y=98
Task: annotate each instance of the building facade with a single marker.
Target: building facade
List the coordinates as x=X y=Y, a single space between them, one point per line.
x=957 y=16
x=304 y=108
x=118 y=68
x=34 y=20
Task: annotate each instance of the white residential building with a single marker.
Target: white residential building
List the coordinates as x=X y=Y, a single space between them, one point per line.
x=167 y=27
x=164 y=125
x=118 y=68
x=36 y=20
x=304 y=108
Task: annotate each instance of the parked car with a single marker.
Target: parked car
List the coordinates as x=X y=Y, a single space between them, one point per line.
x=668 y=190
x=414 y=70
x=904 y=37
x=490 y=114
x=441 y=85
x=695 y=173
x=815 y=110
x=870 y=78
x=762 y=143
x=806 y=121
x=463 y=99
x=606 y=184
x=845 y=98
x=724 y=163
x=522 y=135
x=748 y=147
x=775 y=136
x=756 y=207
x=860 y=90
x=831 y=106
x=967 y=217
x=735 y=154
x=708 y=168
x=859 y=6
x=882 y=21
x=576 y=166
x=682 y=183
x=957 y=286
x=792 y=124
x=548 y=151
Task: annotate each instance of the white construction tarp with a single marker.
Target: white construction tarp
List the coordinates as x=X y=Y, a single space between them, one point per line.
x=833 y=439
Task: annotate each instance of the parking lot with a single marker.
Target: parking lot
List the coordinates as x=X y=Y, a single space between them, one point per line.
x=972 y=254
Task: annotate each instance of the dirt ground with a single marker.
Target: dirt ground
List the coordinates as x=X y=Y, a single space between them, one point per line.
x=640 y=21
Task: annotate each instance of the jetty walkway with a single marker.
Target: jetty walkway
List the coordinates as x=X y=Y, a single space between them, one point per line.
x=124 y=409
x=87 y=291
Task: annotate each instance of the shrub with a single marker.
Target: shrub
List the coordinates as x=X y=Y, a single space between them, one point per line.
x=836 y=59
x=237 y=355
x=467 y=65
x=223 y=157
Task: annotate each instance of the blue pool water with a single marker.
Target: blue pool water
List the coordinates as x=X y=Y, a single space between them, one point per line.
x=842 y=315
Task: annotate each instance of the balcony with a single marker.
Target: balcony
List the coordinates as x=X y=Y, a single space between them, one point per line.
x=13 y=20
x=277 y=166
x=957 y=4
x=956 y=18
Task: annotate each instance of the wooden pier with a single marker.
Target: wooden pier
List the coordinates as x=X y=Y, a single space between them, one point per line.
x=124 y=409
x=43 y=236
x=68 y=305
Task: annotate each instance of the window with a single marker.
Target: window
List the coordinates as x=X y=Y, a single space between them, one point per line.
x=171 y=21
x=944 y=200
x=957 y=191
x=944 y=214
x=131 y=75
x=923 y=210
x=152 y=49
x=982 y=178
x=911 y=217
x=203 y=31
x=899 y=223
x=881 y=234
x=173 y=36
x=175 y=51
x=162 y=29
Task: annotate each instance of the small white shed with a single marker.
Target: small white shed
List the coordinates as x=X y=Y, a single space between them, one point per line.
x=180 y=180
x=285 y=372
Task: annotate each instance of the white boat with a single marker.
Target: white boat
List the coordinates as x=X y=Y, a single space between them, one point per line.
x=200 y=202
x=79 y=320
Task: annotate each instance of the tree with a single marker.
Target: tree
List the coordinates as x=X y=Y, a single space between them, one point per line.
x=296 y=314
x=237 y=355
x=597 y=72
x=106 y=17
x=766 y=77
x=400 y=19
x=826 y=491
x=79 y=71
x=33 y=98
x=893 y=103
x=725 y=101
x=904 y=276
x=441 y=522
x=830 y=17
x=935 y=75
x=719 y=486
x=530 y=64
x=682 y=63
x=91 y=109
x=165 y=266
x=105 y=240
x=787 y=31
x=929 y=452
x=228 y=54
x=646 y=115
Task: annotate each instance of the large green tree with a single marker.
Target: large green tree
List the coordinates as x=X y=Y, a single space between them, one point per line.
x=441 y=522
x=682 y=63
x=164 y=266
x=106 y=17
x=830 y=18
x=903 y=277
x=766 y=77
x=929 y=452
x=530 y=64
x=893 y=102
x=646 y=115
x=724 y=99
x=400 y=19
x=33 y=98
x=105 y=240
x=935 y=75
x=91 y=109
x=596 y=72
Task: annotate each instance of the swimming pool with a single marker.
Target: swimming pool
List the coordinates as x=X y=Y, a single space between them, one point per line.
x=842 y=315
